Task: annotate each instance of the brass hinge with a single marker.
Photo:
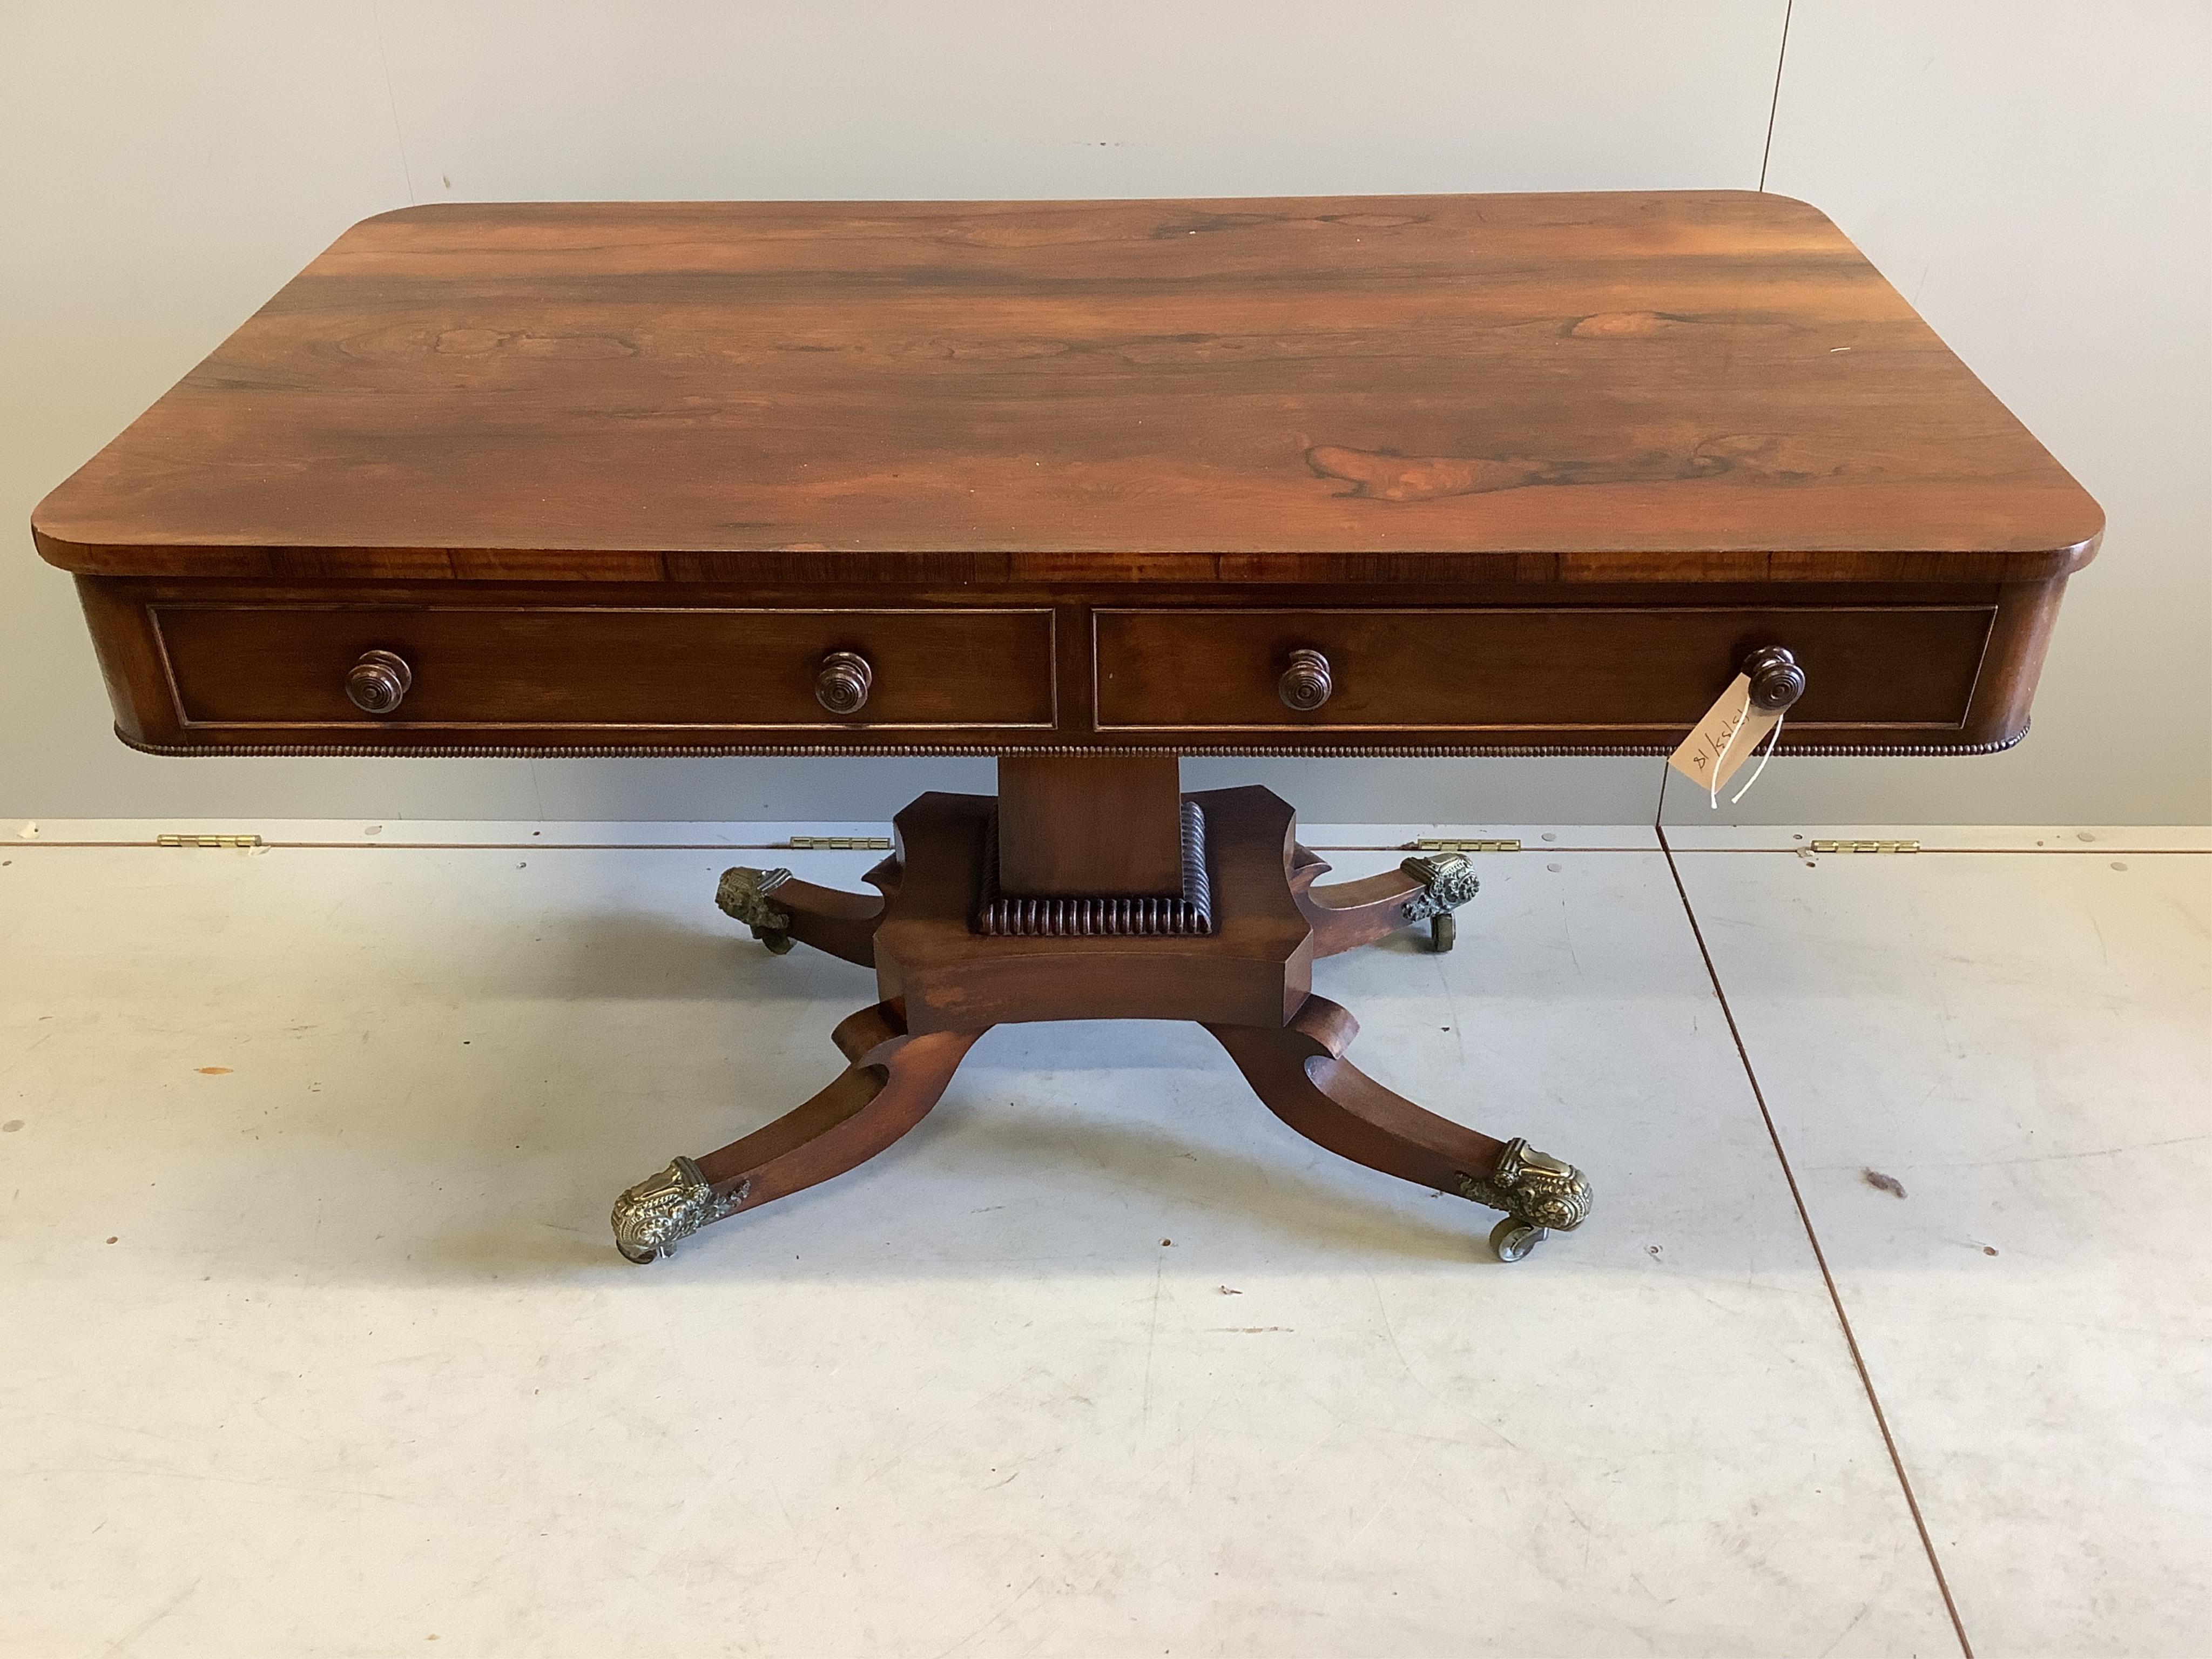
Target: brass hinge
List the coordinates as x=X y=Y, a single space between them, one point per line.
x=1866 y=846
x=1431 y=844
x=208 y=841
x=841 y=844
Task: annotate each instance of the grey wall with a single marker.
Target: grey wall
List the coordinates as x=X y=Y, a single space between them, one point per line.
x=2034 y=177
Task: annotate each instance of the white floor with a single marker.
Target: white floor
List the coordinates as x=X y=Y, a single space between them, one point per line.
x=312 y=1341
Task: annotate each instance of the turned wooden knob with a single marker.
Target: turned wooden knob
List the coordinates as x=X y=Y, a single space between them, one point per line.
x=841 y=683
x=1776 y=681
x=1305 y=685
x=376 y=683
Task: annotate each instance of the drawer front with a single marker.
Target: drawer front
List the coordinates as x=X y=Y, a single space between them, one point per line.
x=612 y=670
x=1566 y=669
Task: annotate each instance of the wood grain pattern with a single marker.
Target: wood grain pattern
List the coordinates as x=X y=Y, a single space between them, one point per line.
x=1673 y=386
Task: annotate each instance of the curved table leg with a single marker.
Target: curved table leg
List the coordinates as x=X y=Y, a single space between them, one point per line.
x=893 y=1080
x=1300 y=1074
x=1346 y=914
x=783 y=910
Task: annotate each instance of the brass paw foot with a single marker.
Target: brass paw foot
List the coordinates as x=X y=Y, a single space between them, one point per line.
x=1447 y=882
x=743 y=895
x=1538 y=1193
x=651 y=1217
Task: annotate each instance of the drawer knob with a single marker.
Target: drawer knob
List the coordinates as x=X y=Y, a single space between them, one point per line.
x=1305 y=685
x=1776 y=681
x=378 y=682
x=841 y=683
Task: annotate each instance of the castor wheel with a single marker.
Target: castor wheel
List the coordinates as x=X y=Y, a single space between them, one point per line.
x=778 y=942
x=1513 y=1238
x=1444 y=931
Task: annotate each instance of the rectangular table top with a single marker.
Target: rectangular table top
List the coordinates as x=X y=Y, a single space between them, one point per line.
x=1635 y=386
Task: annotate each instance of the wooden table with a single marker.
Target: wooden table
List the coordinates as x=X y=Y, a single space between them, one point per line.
x=1086 y=486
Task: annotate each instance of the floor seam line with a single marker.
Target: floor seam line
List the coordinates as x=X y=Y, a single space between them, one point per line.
x=1819 y=1256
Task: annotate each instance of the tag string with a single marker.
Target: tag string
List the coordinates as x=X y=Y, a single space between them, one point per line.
x=1773 y=737
x=1713 y=792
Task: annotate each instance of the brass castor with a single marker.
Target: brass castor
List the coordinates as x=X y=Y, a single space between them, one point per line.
x=1447 y=882
x=1539 y=1193
x=744 y=895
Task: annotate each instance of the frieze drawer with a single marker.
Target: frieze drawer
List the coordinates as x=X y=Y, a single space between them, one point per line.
x=1570 y=670
x=463 y=668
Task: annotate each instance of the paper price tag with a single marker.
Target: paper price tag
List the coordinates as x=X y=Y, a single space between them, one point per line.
x=1724 y=737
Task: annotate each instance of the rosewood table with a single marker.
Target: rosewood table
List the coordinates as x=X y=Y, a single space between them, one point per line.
x=1086 y=486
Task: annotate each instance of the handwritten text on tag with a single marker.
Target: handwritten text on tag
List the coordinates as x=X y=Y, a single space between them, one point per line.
x=1724 y=737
